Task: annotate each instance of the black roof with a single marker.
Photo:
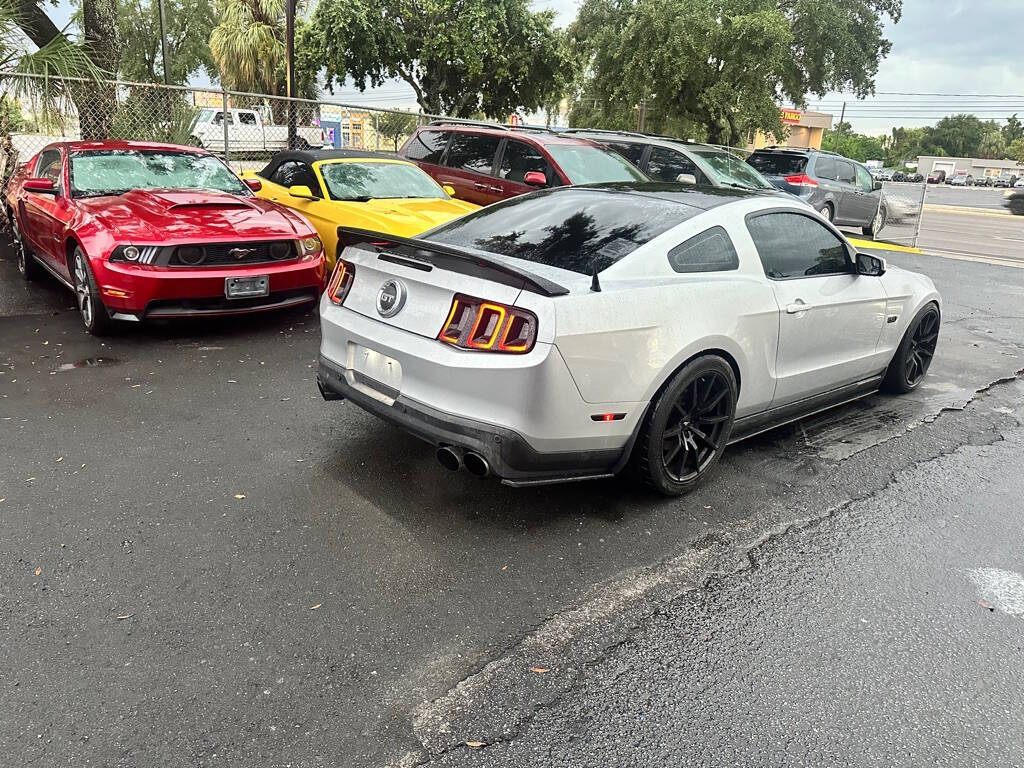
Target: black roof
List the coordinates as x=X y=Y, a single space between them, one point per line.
x=310 y=156
x=703 y=196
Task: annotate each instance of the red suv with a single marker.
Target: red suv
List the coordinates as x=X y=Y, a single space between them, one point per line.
x=487 y=163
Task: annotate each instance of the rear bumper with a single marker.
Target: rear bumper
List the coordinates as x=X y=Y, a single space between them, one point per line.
x=512 y=459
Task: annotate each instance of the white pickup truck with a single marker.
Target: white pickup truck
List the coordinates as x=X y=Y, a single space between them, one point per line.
x=247 y=132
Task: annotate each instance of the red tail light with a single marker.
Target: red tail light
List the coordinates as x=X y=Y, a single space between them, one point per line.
x=800 y=180
x=488 y=326
x=341 y=281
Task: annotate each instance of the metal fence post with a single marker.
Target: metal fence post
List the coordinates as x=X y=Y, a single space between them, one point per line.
x=924 y=199
x=224 y=122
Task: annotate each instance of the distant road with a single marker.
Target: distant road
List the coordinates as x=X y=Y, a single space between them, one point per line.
x=969 y=197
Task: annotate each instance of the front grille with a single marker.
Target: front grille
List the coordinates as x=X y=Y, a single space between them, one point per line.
x=220 y=254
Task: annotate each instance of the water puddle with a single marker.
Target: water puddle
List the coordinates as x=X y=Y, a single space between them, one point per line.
x=89 y=362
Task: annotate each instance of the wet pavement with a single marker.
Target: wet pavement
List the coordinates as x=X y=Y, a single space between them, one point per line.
x=233 y=572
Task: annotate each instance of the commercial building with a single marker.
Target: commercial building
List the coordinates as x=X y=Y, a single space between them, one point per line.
x=976 y=167
x=805 y=129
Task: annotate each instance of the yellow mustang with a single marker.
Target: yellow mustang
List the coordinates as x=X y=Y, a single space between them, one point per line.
x=353 y=188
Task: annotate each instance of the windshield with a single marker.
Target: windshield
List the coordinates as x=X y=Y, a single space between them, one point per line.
x=116 y=171
x=778 y=163
x=585 y=164
x=729 y=169
x=368 y=181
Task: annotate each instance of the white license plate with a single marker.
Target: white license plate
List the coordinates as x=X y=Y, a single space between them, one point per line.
x=246 y=287
x=378 y=367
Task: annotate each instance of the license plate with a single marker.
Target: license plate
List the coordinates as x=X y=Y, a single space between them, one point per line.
x=378 y=367
x=246 y=287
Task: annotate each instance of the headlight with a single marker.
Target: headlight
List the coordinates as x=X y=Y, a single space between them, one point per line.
x=126 y=253
x=310 y=247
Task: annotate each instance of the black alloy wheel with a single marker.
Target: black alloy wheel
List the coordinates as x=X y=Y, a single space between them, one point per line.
x=914 y=355
x=687 y=426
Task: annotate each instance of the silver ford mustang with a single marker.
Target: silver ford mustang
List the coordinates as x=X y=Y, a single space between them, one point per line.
x=576 y=332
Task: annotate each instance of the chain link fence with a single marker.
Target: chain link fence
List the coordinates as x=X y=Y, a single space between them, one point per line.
x=904 y=207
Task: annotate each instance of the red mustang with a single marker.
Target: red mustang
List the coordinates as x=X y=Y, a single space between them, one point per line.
x=143 y=231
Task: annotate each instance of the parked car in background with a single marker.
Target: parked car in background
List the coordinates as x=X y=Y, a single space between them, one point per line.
x=937 y=177
x=573 y=333
x=352 y=188
x=1000 y=181
x=883 y=174
x=247 y=132
x=486 y=162
x=983 y=181
x=899 y=176
x=915 y=177
x=143 y=231
x=1017 y=182
x=838 y=188
x=962 y=180
x=664 y=158
x=1014 y=200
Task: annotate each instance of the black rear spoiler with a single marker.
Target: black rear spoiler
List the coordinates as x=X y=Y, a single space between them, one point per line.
x=425 y=255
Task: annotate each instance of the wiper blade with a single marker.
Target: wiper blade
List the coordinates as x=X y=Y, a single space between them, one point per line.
x=360 y=199
x=103 y=193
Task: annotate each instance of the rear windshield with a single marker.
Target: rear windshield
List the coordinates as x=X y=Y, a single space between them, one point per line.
x=778 y=163
x=571 y=228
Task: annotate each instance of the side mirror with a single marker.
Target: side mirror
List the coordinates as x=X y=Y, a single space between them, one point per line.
x=872 y=266
x=686 y=178
x=254 y=184
x=448 y=190
x=302 y=192
x=877 y=185
x=40 y=185
x=535 y=179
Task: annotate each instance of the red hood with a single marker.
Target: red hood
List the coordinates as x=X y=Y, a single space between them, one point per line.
x=164 y=215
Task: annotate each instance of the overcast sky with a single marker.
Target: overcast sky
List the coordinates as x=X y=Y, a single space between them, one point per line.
x=939 y=46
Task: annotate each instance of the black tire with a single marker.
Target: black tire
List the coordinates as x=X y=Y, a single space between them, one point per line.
x=827 y=212
x=686 y=427
x=913 y=357
x=87 y=296
x=877 y=223
x=27 y=265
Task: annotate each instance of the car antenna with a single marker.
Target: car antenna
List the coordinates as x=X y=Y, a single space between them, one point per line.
x=595 y=284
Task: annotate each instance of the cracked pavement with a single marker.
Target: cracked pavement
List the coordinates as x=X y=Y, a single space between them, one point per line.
x=360 y=607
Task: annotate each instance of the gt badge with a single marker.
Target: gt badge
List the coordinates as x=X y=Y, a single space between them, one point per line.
x=390 y=298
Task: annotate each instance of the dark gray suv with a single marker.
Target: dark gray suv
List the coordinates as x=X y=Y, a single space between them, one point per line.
x=840 y=189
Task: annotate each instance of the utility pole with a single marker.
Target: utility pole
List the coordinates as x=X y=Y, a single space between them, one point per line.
x=842 y=117
x=289 y=35
x=163 y=43
x=641 y=116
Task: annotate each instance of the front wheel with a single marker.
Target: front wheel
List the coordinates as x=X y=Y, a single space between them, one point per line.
x=87 y=295
x=687 y=426
x=914 y=355
x=28 y=267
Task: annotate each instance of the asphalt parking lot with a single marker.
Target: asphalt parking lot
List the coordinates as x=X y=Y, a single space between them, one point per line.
x=205 y=564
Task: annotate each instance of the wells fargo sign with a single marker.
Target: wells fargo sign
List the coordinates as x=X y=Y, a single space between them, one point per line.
x=791 y=116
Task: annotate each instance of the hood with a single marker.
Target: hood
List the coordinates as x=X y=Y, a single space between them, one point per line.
x=163 y=215
x=402 y=217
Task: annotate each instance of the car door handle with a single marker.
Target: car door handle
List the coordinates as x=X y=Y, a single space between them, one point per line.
x=496 y=190
x=481 y=187
x=797 y=306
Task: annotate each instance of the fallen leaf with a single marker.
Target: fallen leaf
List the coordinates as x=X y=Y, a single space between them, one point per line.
x=126 y=616
x=61 y=458
x=239 y=495
x=232 y=381
x=39 y=570
x=474 y=744
x=982 y=603
x=539 y=670
x=316 y=606
x=504 y=567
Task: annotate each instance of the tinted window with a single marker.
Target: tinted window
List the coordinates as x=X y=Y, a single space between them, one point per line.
x=427 y=146
x=575 y=229
x=666 y=165
x=519 y=158
x=472 y=152
x=864 y=180
x=794 y=245
x=845 y=171
x=632 y=152
x=710 y=251
x=825 y=167
x=778 y=163
x=247 y=118
x=292 y=173
x=48 y=166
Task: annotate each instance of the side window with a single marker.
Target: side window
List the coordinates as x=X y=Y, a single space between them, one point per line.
x=218 y=119
x=710 y=251
x=292 y=173
x=795 y=245
x=825 y=167
x=864 y=180
x=632 y=152
x=472 y=152
x=427 y=146
x=247 y=118
x=666 y=165
x=519 y=158
x=48 y=166
x=845 y=171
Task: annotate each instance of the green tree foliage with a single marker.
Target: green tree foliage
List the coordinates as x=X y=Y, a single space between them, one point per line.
x=992 y=145
x=395 y=126
x=1013 y=130
x=189 y=25
x=956 y=136
x=856 y=146
x=459 y=56
x=722 y=64
x=1015 y=150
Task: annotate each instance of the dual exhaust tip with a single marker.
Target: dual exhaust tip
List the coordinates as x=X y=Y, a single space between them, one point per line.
x=454 y=459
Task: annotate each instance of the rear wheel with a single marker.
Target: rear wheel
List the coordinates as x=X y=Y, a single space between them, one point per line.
x=914 y=354
x=876 y=224
x=687 y=426
x=826 y=212
x=87 y=295
x=27 y=265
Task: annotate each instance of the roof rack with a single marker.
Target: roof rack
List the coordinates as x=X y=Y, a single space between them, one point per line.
x=637 y=134
x=494 y=126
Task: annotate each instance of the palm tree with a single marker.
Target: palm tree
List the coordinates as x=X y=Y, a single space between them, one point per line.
x=248 y=44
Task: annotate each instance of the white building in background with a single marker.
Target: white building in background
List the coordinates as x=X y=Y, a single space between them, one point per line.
x=976 y=167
